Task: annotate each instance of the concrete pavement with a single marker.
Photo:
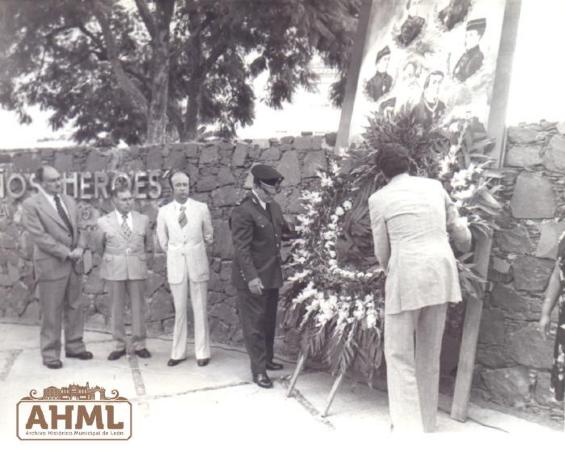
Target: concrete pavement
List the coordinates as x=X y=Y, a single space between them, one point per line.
x=218 y=404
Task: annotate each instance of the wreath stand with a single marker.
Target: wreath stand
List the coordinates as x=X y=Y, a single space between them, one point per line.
x=298 y=370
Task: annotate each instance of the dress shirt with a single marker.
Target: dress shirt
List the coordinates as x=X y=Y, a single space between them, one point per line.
x=129 y=219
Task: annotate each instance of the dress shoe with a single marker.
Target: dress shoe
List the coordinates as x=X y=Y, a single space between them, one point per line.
x=116 y=354
x=262 y=380
x=173 y=362
x=53 y=364
x=143 y=353
x=80 y=355
x=203 y=362
x=271 y=365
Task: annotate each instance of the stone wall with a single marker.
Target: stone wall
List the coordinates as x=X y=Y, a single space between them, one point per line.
x=513 y=360
x=217 y=171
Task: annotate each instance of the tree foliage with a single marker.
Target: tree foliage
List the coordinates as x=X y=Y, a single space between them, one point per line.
x=140 y=70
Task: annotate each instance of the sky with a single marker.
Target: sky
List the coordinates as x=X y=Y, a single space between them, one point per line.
x=537 y=90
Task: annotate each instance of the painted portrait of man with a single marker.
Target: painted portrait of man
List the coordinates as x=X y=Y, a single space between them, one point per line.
x=381 y=82
x=472 y=60
x=430 y=108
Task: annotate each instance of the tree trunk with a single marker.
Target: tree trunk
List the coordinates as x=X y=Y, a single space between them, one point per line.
x=190 y=129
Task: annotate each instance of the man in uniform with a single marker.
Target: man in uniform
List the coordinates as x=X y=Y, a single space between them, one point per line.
x=257 y=225
x=123 y=240
x=184 y=228
x=381 y=82
x=472 y=60
x=51 y=218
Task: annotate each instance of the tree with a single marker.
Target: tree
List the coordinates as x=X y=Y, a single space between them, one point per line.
x=142 y=70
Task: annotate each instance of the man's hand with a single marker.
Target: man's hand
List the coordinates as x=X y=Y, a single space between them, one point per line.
x=256 y=286
x=76 y=254
x=543 y=325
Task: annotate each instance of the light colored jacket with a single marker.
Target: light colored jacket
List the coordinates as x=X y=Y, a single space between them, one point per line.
x=185 y=247
x=53 y=241
x=410 y=221
x=123 y=257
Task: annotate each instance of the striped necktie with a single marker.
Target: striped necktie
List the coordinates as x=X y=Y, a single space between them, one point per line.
x=125 y=227
x=62 y=212
x=183 y=220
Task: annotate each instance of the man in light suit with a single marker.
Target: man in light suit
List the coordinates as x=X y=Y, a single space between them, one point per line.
x=123 y=240
x=412 y=219
x=51 y=219
x=184 y=227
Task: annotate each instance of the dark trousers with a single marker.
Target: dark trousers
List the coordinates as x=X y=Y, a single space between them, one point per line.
x=258 y=317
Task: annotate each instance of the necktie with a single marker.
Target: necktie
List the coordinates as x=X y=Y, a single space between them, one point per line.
x=268 y=209
x=182 y=217
x=125 y=227
x=62 y=213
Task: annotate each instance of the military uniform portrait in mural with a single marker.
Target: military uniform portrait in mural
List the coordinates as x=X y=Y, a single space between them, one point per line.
x=434 y=59
x=472 y=60
x=381 y=82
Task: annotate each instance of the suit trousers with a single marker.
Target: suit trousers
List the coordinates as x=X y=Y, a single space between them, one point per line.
x=413 y=366
x=118 y=291
x=60 y=306
x=199 y=301
x=258 y=318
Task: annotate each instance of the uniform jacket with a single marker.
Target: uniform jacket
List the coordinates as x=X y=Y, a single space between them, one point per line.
x=53 y=241
x=123 y=257
x=468 y=64
x=424 y=115
x=187 y=244
x=410 y=221
x=378 y=85
x=257 y=243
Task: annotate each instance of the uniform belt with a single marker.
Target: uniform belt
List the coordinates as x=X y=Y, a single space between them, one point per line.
x=125 y=251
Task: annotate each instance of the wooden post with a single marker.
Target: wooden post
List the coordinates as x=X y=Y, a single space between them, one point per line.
x=342 y=139
x=331 y=397
x=296 y=373
x=496 y=129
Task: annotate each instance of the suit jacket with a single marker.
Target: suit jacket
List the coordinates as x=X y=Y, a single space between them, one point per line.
x=257 y=243
x=123 y=257
x=378 y=85
x=187 y=243
x=410 y=221
x=53 y=241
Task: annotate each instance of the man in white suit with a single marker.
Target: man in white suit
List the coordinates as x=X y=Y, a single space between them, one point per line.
x=184 y=227
x=412 y=219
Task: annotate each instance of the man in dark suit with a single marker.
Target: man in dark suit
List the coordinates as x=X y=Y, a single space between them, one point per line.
x=430 y=109
x=472 y=60
x=257 y=225
x=51 y=219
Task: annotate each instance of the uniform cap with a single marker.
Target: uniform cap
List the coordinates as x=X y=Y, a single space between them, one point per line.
x=477 y=24
x=266 y=174
x=383 y=52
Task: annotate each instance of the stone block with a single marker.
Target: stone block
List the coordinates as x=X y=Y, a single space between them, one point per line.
x=63 y=162
x=271 y=154
x=533 y=197
x=239 y=155
x=304 y=143
x=225 y=312
x=289 y=167
x=549 y=236
x=209 y=155
x=522 y=135
x=154 y=282
x=515 y=240
x=225 y=270
x=491 y=330
x=191 y=149
x=223 y=246
x=543 y=394
x=225 y=196
x=493 y=356
x=102 y=305
x=508 y=386
x=154 y=160
x=158 y=263
x=528 y=348
x=530 y=273
x=207 y=183
x=522 y=156
x=314 y=161
x=510 y=301
x=554 y=158
x=26 y=161
x=176 y=160
x=96 y=160
x=161 y=306
x=225 y=177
